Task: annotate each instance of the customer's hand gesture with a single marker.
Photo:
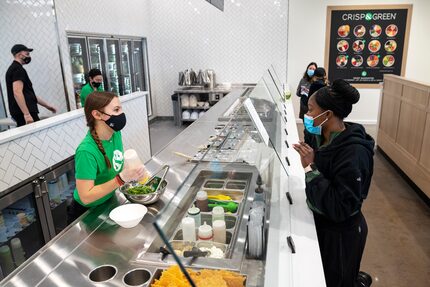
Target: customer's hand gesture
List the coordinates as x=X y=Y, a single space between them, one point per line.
x=307 y=153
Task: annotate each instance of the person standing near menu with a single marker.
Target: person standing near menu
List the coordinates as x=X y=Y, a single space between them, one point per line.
x=21 y=96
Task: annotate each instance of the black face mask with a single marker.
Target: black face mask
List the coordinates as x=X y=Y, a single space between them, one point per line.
x=96 y=85
x=116 y=122
x=27 y=60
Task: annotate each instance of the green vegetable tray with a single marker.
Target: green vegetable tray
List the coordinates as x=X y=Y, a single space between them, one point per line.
x=144 y=193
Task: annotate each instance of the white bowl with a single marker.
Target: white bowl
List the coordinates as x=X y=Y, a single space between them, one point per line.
x=128 y=215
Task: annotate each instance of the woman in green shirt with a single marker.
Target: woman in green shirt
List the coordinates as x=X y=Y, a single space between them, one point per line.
x=99 y=157
x=94 y=84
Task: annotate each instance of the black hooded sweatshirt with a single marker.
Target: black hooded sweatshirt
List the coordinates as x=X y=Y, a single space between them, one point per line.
x=345 y=168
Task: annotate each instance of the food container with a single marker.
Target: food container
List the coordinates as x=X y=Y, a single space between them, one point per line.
x=128 y=215
x=150 y=197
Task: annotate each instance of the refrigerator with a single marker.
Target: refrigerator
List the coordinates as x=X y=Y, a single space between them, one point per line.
x=113 y=66
x=33 y=213
x=126 y=67
x=97 y=57
x=79 y=62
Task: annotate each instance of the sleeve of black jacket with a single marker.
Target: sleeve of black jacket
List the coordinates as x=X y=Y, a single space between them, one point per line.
x=340 y=194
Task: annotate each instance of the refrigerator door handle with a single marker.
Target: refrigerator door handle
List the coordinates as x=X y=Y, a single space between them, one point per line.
x=47 y=207
x=41 y=210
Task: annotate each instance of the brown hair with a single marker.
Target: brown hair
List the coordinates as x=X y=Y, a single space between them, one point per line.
x=97 y=101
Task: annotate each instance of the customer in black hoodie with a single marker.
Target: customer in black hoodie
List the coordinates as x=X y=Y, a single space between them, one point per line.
x=338 y=160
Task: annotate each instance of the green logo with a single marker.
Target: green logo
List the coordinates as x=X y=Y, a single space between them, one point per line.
x=369 y=16
x=364 y=74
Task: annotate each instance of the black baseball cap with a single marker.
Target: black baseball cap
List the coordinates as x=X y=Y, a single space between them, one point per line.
x=320 y=72
x=19 y=48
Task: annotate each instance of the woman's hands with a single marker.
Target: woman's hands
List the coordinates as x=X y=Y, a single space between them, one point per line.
x=134 y=174
x=307 y=153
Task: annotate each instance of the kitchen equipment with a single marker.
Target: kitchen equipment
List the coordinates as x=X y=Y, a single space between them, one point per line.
x=193 y=101
x=75 y=49
x=186 y=115
x=202 y=200
x=219 y=231
x=150 y=197
x=211 y=77
x=185 y=101
x=188 y=229
x=194 y=115
x=205 y=232
x=128 y=215
x=201 y=114
x=194 y=212
x=217 y=213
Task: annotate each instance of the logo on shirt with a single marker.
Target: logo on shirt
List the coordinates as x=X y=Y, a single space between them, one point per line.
x=117 y=160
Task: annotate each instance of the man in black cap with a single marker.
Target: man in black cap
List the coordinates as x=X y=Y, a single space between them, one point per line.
x=22 y=99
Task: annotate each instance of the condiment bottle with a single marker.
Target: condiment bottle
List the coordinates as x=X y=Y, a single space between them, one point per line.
x=219 y=231
x=205 y=232
x=217 y=213
x=132 y=161
x=188 y=229
x=17 y=251
x=194 y=212
x=6 y=261
x=202 y=201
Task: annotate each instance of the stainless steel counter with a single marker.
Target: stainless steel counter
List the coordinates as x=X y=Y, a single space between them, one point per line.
x=94 y=240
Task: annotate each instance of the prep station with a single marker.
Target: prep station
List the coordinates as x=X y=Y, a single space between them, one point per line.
x=242 y=148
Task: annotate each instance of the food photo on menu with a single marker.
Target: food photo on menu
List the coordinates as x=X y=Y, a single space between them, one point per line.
x=390 y=46
x=388 y=61
x=342 y=46
x=372 y=60
x=343 y=31
x=359 y=31
x=341 y=60
x=375 y=31
x=374 y=46
x=357 y=61
x=391 y=30
x=358 y=46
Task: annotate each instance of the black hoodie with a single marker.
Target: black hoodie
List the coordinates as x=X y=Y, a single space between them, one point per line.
x=345 y=170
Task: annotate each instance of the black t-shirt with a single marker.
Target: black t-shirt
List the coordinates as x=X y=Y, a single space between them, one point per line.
x=17 y=73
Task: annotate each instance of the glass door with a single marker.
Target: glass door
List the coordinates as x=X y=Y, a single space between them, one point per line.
x=79 y=62
x=126 y=78
x=97 y=57
x=113 y=66
x=23 y=227
x=141 y=71
x=60 y=185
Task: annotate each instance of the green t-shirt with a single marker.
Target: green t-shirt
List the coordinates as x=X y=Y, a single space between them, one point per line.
x=86 y=90
x=90 y=163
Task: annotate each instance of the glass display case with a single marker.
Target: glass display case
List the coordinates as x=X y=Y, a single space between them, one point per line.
x=79 y=62
x=123 y=63
x=97 y=57
x=231 y=185
x=32 y=214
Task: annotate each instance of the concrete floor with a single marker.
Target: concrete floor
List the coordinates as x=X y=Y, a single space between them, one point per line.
x=398 y=245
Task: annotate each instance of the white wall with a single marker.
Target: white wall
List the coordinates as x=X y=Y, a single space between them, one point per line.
x=32 y=23
x=128 y=18
x=307 y=28
x=239 y=43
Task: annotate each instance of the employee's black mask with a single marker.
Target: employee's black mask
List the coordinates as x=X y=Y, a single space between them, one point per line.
x=27 y=60
x=116 y=122
x=96 y=85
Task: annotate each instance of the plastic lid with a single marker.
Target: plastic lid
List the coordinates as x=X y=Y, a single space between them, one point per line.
x=205 y=230
x=218 y=210
x=193 y=210
x=218 y=224
x=202 y=195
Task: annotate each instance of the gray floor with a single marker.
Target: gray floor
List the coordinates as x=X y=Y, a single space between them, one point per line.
x=398 y=245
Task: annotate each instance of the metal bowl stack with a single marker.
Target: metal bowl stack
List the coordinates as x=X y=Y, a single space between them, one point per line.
x=148 y=198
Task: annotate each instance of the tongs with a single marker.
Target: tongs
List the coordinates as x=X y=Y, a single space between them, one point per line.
x=166 y=169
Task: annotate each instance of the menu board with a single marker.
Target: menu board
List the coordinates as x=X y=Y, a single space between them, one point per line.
x=365 y=43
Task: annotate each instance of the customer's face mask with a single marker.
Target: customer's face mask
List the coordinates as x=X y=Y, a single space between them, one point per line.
x=308 y=122
x=116 y=122
x=310 y=72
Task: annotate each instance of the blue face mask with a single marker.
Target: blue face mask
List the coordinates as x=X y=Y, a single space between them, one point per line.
x=310 y=72
x=309 y=124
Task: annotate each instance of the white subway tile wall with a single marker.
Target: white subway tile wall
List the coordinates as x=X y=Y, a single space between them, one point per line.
x=32 y=23
x=109 y=17
x=31 y=154
x=239 y=43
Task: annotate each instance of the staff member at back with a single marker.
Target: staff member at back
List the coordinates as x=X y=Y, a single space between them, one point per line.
x=99 y=157
x=94 y=83
x=21 y=96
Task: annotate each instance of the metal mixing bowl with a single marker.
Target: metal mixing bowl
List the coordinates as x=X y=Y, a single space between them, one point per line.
x=143 y=198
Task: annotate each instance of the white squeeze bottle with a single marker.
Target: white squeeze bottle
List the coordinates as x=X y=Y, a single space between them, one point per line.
x=132 y=161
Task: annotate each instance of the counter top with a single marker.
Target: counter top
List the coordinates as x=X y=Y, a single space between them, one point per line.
x=202 y=90
x=93 y=240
